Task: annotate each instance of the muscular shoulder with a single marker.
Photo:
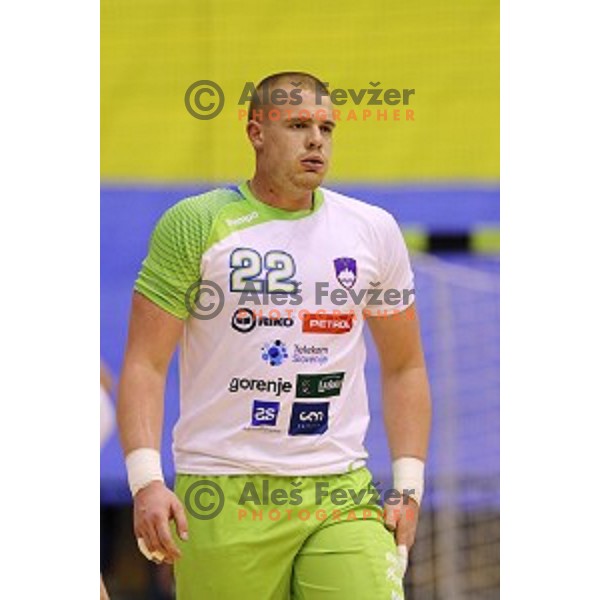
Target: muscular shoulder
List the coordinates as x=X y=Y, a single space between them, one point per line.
x=176 y=247
x=197 y=213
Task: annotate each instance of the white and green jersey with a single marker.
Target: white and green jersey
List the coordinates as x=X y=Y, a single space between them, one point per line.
x=272 y=356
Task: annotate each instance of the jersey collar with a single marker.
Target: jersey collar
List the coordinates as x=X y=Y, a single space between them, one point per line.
x=281 y=213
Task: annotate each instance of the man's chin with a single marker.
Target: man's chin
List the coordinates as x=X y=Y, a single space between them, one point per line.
x=309 y=180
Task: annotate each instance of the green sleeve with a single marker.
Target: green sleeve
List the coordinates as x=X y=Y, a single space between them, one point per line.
x=173 y=261
x=176 y=247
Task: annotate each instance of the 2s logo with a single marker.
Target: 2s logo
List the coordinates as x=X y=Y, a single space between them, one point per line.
x=265 y=414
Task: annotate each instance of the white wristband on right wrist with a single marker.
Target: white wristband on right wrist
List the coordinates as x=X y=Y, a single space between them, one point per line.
x=143 y=467
x=409 y=475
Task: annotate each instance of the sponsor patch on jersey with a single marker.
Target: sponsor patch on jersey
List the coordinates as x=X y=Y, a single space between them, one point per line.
x=243 y=220
x=245 y=320
x=263 y=386
x=309 y=418
x=327 y=323
x=264 y=413
x=323 y=385
x=345 y=271
x=275 y=353
x=309 y=354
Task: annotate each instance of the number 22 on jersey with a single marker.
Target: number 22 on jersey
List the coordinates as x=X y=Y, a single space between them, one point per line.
x=271 y=273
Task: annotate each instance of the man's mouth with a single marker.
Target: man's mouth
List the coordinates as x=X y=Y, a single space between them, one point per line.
x=313 y=162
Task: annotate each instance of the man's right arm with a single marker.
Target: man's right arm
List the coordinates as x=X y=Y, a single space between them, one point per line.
x=153 y=337
x=158 y=315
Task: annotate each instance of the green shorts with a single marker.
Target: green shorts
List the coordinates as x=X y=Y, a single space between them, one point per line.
x=266 y=537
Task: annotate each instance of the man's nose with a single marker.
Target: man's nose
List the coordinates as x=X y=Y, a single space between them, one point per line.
x=315 y=137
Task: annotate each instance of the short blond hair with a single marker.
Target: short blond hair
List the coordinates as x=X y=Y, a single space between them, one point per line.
x=294 y=77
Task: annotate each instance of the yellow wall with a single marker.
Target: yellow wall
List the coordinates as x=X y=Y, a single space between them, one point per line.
x=152 y=50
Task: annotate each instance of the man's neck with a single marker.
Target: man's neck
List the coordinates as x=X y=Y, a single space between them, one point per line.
x=286 y=199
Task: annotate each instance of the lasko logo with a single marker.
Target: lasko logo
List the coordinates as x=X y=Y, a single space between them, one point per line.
x=275 y=353
x=309 y=418
x=327 y=323
x=245 y=320
x=265 y=413
x=323 y=385
x=243 y=220
x=272 y=386
x=345 y=271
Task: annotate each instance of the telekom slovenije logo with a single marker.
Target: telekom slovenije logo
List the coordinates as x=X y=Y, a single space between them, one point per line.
x=274 y=353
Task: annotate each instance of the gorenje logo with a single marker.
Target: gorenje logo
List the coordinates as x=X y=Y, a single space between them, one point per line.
x=273 y=386
x=309 y=418
x=319 y=386
x=245 y=219
x=245 y=320
x=327 y=323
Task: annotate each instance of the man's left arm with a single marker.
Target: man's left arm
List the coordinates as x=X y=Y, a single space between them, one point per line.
x=406 y=412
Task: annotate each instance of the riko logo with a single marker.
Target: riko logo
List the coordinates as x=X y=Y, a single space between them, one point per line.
x=274 y=353
x=319 y=386
x=271 y=386
x=345 y=271
x=245 y=320
x=265 y=413
x=327 y=323
x=309 y=418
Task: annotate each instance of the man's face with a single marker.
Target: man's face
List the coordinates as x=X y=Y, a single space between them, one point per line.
x=293 y=142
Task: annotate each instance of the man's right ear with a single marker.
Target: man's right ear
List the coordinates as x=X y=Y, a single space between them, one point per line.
x=254 y=130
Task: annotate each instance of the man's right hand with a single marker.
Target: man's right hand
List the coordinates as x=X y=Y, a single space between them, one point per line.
x=153 y=507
